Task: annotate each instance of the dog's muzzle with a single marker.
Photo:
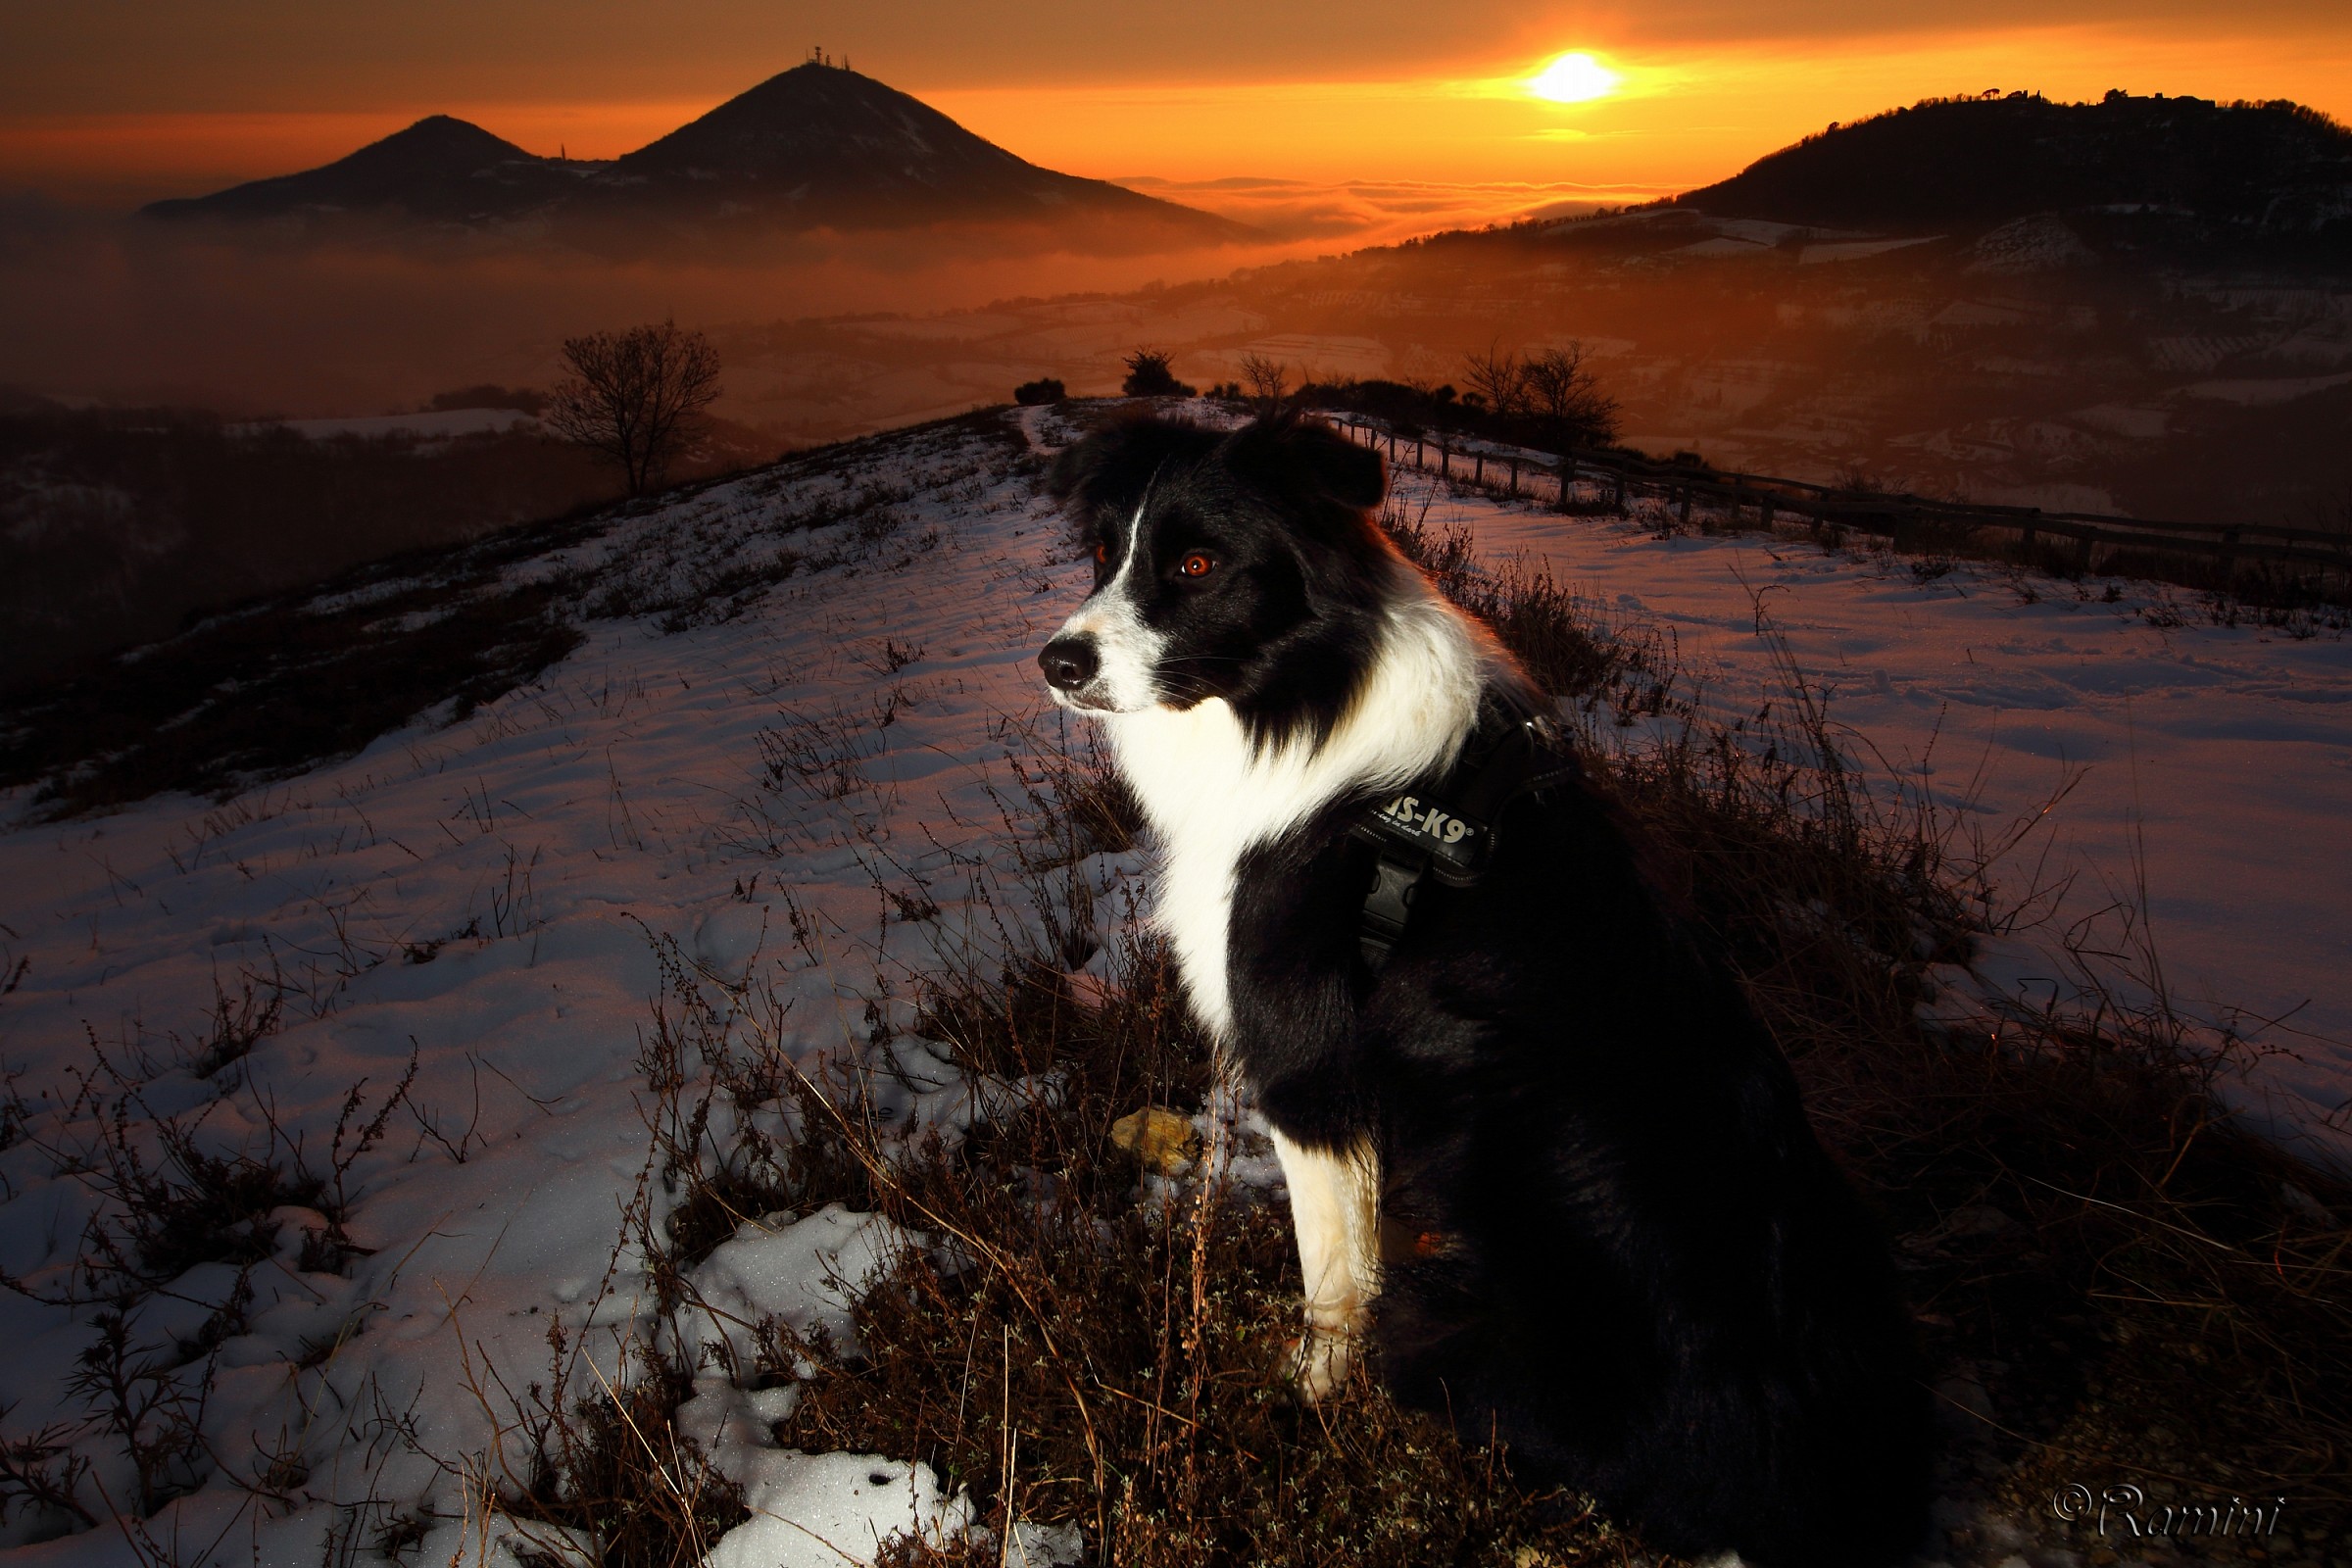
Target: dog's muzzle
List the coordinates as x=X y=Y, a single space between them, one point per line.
x=1070 y=663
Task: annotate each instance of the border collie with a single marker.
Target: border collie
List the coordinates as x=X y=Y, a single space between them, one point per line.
x=1632 y=1260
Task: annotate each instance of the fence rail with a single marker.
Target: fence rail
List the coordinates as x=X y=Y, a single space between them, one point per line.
x=1910 y=521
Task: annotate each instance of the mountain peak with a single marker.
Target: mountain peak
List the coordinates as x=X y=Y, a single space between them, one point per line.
x=839 y=130
x=440 y=167
x=446 y=134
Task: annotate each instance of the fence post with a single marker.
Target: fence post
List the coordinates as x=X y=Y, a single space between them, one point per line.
x=1446 y=457
x=1419 y=450
x=1686 y=506
x=1515 y=477
x=1478 y=475
x=1764 y=510
x=1618 y=501
x=2229 y=553
x=2025 y=540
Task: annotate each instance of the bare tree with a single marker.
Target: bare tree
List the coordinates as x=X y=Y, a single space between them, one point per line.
x=1498 y=378
x=1267 y=380
x=1564 y=395
x=637 y=397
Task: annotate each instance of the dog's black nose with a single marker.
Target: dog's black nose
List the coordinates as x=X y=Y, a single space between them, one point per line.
x=1069 y=662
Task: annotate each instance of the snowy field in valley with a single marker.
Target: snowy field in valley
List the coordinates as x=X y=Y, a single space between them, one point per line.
x=780 y=779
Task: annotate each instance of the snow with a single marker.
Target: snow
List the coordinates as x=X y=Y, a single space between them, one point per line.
x=492 y=895
x=734 y=784
x=824 y=1510
x=802 y=1273
x=2190 y=781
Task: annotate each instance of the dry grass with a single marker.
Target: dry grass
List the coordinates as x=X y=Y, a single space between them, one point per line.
x=1094 y=1346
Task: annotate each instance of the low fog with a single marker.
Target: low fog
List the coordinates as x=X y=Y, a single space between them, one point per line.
x=102 y=306
x=125 y=312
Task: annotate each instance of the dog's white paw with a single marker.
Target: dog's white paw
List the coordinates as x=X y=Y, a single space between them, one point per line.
x=1320 y=1362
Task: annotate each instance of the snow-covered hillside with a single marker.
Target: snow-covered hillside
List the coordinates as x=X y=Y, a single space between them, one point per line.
x=2188 y=783
x=805 y=768
x=487 y=898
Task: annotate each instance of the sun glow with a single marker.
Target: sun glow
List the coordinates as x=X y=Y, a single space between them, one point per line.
x=1574 y=78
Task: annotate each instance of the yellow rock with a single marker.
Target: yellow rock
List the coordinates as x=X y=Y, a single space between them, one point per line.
x=1162 y=1138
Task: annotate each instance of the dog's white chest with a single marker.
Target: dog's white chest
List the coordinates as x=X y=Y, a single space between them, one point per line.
x=1191 y=771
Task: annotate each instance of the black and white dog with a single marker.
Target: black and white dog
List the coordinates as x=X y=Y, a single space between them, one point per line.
x=1633 y=1260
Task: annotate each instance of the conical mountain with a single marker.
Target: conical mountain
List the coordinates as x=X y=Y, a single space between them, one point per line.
x=822 y=144
x=440 y=168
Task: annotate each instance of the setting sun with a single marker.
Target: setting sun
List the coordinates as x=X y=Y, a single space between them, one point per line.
x=1574 y=78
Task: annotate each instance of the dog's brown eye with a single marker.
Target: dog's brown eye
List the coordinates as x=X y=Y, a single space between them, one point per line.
x=1196 y=565
x=1102 y=553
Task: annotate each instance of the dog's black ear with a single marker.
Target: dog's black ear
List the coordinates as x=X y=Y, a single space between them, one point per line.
x=1295 y=457
x=1111 y=468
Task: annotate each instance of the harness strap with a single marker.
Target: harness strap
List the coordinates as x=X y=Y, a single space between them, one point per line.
x=1510 y=753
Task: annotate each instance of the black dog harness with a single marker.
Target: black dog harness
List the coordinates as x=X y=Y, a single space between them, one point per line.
x=1449 y=832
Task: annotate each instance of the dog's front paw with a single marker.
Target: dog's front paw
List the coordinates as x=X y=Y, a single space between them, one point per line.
x=1319 y=1364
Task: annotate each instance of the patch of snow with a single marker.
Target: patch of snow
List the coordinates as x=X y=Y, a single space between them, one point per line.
x=810 y=1510
x=805 y=1274
x=833 y=1510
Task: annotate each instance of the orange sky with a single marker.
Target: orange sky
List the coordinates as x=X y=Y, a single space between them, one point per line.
x=131 y=99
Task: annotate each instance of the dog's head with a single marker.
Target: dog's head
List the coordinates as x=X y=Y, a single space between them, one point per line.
x=1239 y=565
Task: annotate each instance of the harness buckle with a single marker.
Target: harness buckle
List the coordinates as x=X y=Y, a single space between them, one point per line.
x=1387 y=906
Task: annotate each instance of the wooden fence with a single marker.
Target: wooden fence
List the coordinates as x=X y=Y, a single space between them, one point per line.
x=1912 y=523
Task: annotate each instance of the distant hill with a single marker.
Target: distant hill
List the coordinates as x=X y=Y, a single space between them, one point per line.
x=818 y=146
x=441 y=169
x=2273 y=168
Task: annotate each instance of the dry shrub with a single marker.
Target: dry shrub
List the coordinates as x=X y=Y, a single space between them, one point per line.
x=609 y=1467
x=1092 y=1347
